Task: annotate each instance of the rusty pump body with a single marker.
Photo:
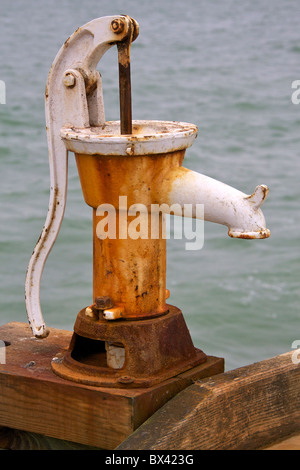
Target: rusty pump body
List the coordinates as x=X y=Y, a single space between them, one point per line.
x=129 y=336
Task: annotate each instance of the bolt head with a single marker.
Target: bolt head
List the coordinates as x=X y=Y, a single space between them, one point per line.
x=102 y=303
x=117 y=26
x=69 y=80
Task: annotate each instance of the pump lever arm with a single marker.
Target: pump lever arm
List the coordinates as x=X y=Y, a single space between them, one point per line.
x=125 y=83
x=73 y=98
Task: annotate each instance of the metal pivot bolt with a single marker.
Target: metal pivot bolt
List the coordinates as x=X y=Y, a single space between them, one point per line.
x=117 y=26
x=69 y=79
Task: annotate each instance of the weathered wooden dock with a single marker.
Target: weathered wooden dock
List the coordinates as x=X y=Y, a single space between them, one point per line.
x=253 y=407
x=36 y=400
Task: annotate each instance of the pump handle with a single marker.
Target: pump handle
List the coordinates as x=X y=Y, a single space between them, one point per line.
x=73 y=98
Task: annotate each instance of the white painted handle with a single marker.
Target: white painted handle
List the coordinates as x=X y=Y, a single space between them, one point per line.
x=67 y=104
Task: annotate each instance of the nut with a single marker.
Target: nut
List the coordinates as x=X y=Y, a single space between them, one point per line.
x=117 y=26
x=69 y=79
x=102 y=303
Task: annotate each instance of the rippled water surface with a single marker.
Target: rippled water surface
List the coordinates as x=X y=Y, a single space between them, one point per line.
x=226 y=66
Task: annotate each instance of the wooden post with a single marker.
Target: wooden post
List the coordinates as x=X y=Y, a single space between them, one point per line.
x=247 y=408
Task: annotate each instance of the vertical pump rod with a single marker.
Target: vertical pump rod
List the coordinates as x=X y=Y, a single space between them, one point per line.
x=125 y=81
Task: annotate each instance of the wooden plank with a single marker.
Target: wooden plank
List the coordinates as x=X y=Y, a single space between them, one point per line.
x=247 y=408
x=34 y=399
x=292 y=443
x=146 y=403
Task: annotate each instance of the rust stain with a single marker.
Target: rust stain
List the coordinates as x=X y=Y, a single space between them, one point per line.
x=125 y=83
x=45 y=232
x=247 y=236
x=67 y=41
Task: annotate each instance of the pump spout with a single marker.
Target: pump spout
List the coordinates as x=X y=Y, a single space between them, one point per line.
x=223 y=204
